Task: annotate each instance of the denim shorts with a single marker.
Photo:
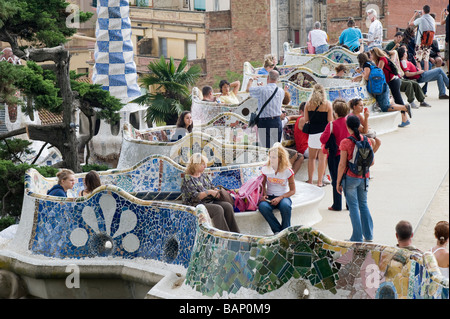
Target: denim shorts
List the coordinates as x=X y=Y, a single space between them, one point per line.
x=383 y=100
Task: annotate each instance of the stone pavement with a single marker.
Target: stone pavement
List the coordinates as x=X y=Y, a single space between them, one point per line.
x=409 y=179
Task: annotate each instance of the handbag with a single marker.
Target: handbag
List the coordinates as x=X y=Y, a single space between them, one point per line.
x=254 y=118
x=331 y=144
x=307 y=126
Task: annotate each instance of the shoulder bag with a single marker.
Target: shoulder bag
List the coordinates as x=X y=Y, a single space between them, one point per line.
x=307 y=126
x=254 y=118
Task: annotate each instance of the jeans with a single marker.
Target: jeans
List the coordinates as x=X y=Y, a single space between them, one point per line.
x=356 y=197
x=269 y=131
x=394 y=86
x=322 y=48
x=333 y=163
x=435 y=75
x=285 y=207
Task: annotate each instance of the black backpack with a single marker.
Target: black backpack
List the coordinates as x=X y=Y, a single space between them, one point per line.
x=362 y=157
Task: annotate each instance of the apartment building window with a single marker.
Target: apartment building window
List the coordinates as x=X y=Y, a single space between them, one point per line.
x=200 y=5
x=142 y=3
x=163 y=47
x=186 y=3
x=190 y=50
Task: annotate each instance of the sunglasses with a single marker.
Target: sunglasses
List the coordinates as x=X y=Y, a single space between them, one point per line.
x=283 y=111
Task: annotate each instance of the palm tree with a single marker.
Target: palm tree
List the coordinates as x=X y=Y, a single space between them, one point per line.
x=172 y=94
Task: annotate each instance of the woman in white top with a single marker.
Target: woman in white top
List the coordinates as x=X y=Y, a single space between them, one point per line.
x=440 y=251
x=278 y=187
x=318 y=39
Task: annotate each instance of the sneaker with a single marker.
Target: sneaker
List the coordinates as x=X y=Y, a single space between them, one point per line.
x=413 y=105
x=403 y=124
x=443 y=97
x=326 y=179
x=425 y=104
x=408 y=110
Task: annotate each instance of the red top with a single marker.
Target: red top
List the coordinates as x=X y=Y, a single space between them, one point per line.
x=409 y=67
x=386 y=69
x=301 y=139
x=339 y=130
x=349 y=146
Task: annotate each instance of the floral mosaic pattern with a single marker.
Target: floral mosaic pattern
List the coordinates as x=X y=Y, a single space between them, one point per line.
x=297 y=56
x=108 y=224
x=226 y=263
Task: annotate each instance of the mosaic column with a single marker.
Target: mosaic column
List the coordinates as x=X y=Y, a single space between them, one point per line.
x=114 y=66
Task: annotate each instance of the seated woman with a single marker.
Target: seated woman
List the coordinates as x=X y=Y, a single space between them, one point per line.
x=268 y=66
x=184 y=126
x=278 y=187
x=357 y=108
x=91 y=182
x=383 y=100
x=66 y=180
x=229 y=92
x=197 y=188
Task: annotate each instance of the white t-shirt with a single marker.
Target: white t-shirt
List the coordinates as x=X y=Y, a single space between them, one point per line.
x=318 y=37
x=375 y=34
x=278 y=184
x=424 y=23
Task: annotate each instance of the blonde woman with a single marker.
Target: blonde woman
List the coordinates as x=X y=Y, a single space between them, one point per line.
x=278 y=187
x=318 y=112
x=197 y=188
x=66 y=181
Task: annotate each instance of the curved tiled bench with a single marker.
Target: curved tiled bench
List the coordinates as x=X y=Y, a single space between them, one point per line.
x=219 y=153
x=301 y=262
x=297 y=56
x=174 y=251
x=322 y=67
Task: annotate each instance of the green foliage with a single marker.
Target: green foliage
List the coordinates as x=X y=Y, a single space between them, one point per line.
x=33 y=82
x=172 y=94
x=97 y=100
x=9 y=73
x=41 y=22
x=95 y=167
x=230 y=77
x=13 y=149
x=12 y=185
x=7 y=221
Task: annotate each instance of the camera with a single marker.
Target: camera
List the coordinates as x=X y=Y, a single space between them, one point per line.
x=418 y=11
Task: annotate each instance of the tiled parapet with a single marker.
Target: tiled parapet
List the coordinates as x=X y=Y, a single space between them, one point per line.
x=223 y=264
x=321 y=66
x=337 y=54
x=110 y=222
x=218 y=151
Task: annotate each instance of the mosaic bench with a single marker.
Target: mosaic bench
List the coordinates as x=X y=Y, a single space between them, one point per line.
x=110 y=222
x=322 y=67
x=381 y=122
x=218 y=152
x=298 y=56
x=301 y=262
x=204 y=112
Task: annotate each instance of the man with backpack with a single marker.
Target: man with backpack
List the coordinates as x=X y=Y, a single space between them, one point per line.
x=426 y=28
x=357 y=156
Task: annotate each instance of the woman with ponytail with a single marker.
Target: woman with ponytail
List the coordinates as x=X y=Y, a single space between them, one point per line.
x=440 y=251
x=355 y=187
